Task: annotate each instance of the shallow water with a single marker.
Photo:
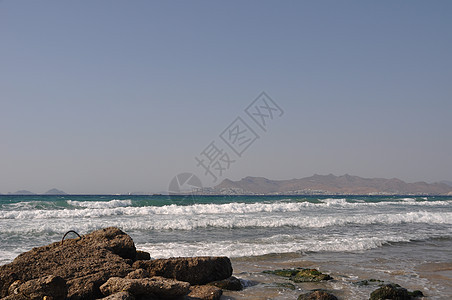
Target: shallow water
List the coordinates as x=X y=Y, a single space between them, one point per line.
x=415 y=266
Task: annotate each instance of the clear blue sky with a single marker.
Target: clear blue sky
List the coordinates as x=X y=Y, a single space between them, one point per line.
x=120 y=96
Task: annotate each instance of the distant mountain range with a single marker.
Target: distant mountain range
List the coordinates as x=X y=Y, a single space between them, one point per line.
x=447 y=182
x=49 y=192
x=314 y=185
x=55 y=192
x=22 y=192
x=329 y=185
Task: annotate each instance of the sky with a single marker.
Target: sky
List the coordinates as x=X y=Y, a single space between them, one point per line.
x=122 y=96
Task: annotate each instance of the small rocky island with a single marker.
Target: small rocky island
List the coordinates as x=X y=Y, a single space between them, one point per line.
x=106 y=265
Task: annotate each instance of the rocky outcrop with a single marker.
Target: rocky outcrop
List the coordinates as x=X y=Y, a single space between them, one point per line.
x=204 y=292
x=52 y=287
x=84 y=263
x=157 y=287
x=142 y=255
x=138 y=274
x=390 y=291
x=120 y=296
x=317 y=295
x=105 y=265
x=195 y=270
x=394 y=291
x=231 y=284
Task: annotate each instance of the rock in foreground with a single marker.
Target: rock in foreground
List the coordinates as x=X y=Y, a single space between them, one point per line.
x=105 y=263
x=394 y=291
x=317 y=295
x=52 y=287
x=195 y=270
x=204 y=292
x=120 y=296
x=152 y=287
x=231 y=284
x=84 y=263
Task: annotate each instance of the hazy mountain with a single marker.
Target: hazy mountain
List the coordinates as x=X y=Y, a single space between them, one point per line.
x=331 y=185
x=447 y=182
x=55 y=192
x=22 y=192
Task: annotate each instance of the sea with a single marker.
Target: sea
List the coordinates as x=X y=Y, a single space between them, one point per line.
x=401 y=239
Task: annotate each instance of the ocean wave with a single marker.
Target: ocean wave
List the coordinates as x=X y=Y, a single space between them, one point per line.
x=29 y=205
x=7 y=256
x=265 y=246
x=238 y=222
x=408 y=199
x=100 y=209
x=334 y=201
x=100 y=204
x=190 y=223
x=259 y=246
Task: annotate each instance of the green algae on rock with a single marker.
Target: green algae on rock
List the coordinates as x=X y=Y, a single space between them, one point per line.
x=301 y=274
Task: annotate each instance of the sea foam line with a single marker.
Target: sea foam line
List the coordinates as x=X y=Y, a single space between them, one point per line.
x=243 y=248
x=101 y=204
x=121 y=207
x=187 y=223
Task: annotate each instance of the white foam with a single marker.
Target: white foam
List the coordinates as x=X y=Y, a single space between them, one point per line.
x=122 y=207
x=101 y=204
x=7 y=256
x=267 y=246
x=333 y=201
x=408 y=199
x=225 y=221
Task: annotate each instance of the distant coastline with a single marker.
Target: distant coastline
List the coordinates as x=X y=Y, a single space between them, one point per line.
x=346 y=185
x=324 y=185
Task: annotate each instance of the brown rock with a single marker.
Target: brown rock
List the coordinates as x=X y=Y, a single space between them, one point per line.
x=138 y=274
x=204 y=292
x=120 y=296
x=142 y=255
x=52 y=287
x=317 y=295
x=231 y=283
x=13 y=287
x=84 y=263
x=158 y=286
x=195 y=270
x=390 y=291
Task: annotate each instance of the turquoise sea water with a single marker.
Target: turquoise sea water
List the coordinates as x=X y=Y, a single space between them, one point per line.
x=235 y=226
x=403 y=239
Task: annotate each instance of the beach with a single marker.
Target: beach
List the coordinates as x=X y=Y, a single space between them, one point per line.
x=392 y=239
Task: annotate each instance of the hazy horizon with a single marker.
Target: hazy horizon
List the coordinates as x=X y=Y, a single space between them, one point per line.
x=112 y=97
x=166 y=190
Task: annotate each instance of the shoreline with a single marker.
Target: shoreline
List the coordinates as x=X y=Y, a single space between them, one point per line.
x=431 y=277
